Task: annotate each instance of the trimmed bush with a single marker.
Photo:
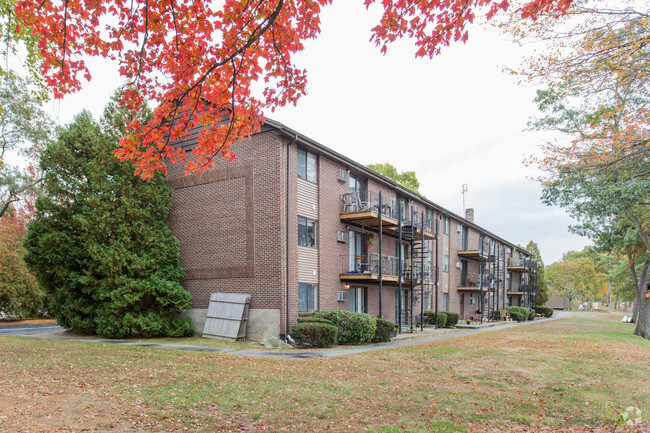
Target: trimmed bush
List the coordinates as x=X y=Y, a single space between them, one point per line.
x=531 y=314
x=354 y=328
x=517 y=315
x=314 y=334
x=442 y=319
x=544 y=311
x=383 y=331
x=429 y=318
x=312 y=319
x=452 y=318
x=525 y=313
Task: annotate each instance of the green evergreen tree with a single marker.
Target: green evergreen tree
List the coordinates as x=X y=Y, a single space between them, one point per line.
x=542 y=289
x=99 y=244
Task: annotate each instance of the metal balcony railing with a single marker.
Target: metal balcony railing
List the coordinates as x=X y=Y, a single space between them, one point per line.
x=474 y=280
x=369 y=264
x=515 y=261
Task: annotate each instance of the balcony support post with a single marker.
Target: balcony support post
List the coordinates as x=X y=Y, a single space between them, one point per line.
x=399 y=266
x=422 y=271
x=381 y=235
x=437 y=236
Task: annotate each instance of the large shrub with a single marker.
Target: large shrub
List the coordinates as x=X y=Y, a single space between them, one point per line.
x=430 y=317
x=314 y=334
x=354 y=328
x=544 y=311
x=99 y=243
x=20 y=295
x=452 y=318
x=520 y=314
x=531 y=314
x=383 y=331
x=313 y=319
x=442 y=319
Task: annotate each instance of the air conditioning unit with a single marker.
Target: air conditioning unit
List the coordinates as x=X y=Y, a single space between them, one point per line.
x=459 y=228
x=459 y=265
x=342 y=296
x=342 y=176
x=341 y=236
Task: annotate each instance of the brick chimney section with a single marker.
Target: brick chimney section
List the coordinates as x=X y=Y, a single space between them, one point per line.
x=469 y=214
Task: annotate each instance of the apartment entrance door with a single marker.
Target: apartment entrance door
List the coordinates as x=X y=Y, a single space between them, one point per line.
x=357 y=253
x=397 y=297
x=358 y=299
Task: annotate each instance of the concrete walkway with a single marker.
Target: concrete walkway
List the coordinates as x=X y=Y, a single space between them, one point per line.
x=401 y=341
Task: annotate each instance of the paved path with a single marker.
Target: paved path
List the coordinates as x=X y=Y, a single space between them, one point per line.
x=40 y=329
x=56 y=332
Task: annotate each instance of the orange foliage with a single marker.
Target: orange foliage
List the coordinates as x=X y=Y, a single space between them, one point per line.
x=199 y=63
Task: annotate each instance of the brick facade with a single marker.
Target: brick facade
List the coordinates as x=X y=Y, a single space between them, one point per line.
x=238 y=232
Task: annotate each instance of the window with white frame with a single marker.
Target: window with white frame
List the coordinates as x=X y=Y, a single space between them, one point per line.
x=307 y=166
x=445 y=263
x=445 y=301
x=445 y=225
x=307 y=232
x=307 y=297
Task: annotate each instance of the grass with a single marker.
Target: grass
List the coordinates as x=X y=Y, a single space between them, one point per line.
x=571 y=374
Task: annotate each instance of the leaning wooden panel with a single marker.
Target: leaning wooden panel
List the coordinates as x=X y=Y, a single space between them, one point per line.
x=227 y=316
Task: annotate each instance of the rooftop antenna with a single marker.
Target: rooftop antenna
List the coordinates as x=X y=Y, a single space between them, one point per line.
x=463 y=191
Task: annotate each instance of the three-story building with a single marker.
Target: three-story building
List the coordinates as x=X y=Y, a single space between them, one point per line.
x=301 y=227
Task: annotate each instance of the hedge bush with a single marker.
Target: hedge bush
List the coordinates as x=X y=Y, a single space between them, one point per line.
x=531 y=314
x=383 y=331
x=544 y=311
x=519 y=314
x=314 y=334
x=312 y=319
x=442 y=319
x=525 y=312
x=452 y=318
x=354 y=328
x=429 y=317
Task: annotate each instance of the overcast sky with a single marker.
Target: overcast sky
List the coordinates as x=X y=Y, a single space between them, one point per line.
x=456 y=119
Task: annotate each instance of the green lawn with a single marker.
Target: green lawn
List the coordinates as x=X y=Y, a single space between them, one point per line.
x=573 y=374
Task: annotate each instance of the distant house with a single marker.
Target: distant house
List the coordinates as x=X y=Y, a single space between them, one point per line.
x=301 y=227
x=558 y=302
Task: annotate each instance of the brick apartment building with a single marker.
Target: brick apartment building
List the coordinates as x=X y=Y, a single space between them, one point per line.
x=301 y=227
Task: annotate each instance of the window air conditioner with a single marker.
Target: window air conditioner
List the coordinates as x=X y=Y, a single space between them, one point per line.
x=459 y=228
x=342 y=176
x=341 y=236
x=459 y=265
x=342 y=296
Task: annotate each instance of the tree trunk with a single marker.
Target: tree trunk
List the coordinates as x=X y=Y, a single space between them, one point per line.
x=643 y=309
x=635 y=280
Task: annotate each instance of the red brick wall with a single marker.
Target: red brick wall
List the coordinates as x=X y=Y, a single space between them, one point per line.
x=229 y=224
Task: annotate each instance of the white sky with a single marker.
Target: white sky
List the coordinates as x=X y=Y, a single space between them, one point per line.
x=454 y=119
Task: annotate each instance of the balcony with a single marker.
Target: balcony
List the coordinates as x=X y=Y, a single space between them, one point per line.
x=516 y=265
x=365 y=210
x=478 y=252
x=365 y=269
x=472 y=283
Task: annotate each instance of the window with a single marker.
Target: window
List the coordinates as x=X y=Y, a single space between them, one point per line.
x=307 y=167
x=307 y=297
x=445 y=301
x=307 y=232
x=445 y=263
x=428 y=301
x=445 y=226
x=429 y=219
x=358 y=185
x=358 y=299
